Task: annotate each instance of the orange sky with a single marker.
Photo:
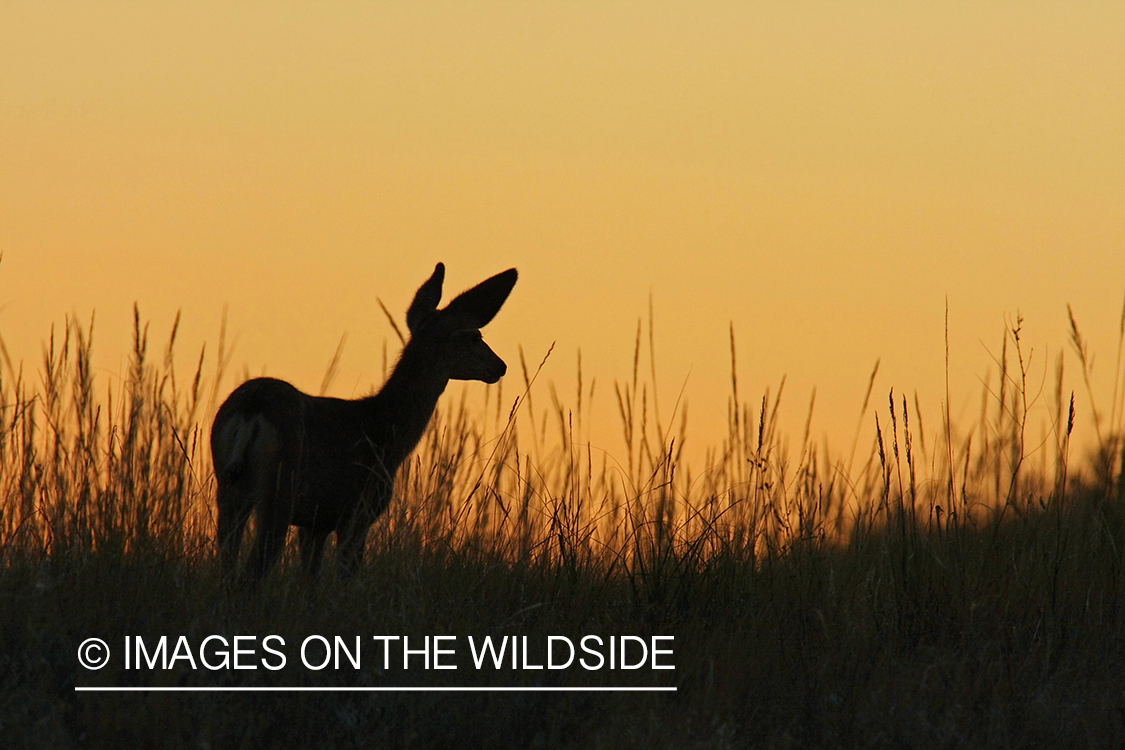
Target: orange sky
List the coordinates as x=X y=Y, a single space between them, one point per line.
x=823 y=176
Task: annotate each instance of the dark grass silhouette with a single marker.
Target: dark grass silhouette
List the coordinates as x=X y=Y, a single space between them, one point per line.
x=945 y=589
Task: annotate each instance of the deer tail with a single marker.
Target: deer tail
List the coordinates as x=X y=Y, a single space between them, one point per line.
x=245 y=433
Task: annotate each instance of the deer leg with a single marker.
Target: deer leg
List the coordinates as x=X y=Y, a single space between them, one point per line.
x=350 y=541
x=268 y=544
x=312 y=550
x=274 y=503
x=233 y=515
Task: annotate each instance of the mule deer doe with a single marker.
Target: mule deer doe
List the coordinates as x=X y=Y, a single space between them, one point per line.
x=328 y=464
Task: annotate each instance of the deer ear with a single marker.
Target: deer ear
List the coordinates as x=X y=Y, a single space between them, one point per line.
x=477 y=306
x=426 y=300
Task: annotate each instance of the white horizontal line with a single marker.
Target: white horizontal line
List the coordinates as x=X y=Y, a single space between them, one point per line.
x=615 y=689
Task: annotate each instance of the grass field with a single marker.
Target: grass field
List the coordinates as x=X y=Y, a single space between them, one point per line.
x=941 y=588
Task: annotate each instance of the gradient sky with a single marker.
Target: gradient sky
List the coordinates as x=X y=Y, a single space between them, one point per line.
x=823 y=176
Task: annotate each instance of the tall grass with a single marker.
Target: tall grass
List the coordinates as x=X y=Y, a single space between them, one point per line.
x=123 y=476
x=946 y=588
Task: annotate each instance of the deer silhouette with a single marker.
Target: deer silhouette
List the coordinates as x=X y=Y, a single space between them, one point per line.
x=327 y=464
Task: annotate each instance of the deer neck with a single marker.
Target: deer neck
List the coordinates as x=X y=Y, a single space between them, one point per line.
x=403 y=407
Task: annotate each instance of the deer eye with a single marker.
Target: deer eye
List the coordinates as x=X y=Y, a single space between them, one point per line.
x=469 y=335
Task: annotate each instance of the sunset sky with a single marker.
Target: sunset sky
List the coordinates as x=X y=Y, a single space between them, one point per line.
x=823 y=176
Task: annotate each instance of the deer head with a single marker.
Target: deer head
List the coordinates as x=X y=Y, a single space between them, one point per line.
x=451 y=337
